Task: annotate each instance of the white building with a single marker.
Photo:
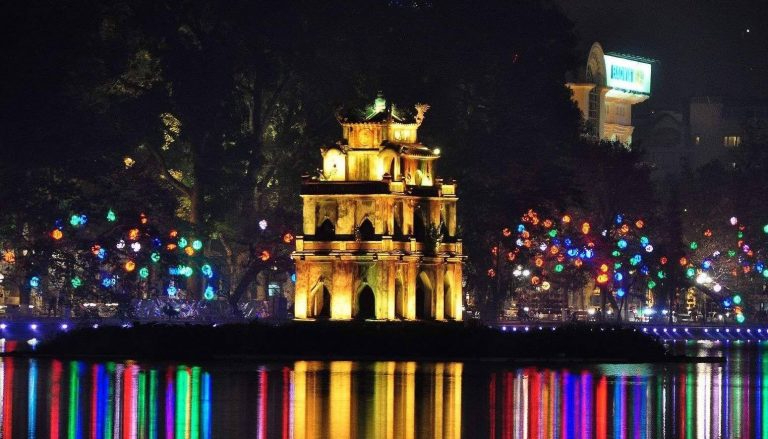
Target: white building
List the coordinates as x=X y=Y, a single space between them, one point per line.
x=611 y=84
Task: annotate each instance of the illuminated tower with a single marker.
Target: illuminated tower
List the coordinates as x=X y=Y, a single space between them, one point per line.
x=379 y=227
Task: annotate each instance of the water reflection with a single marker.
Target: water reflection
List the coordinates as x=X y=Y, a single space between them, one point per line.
x=340 y=399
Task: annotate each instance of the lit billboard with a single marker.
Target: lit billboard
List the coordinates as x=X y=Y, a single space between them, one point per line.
x=627 y=74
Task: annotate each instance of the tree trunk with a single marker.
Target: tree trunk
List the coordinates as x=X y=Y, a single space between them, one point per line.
x=249 y=276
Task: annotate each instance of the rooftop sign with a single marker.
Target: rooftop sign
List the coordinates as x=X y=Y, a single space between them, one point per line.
x=628 y=75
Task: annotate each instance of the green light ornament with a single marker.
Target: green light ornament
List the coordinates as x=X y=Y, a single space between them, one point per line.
x=740 y=235
x=617 y=265
x=552 y=233
x=651 y=284
x=76 y=282
x=144 y=272
x=182 y=242
x=209 y=293
x=740 y=318
x=616 y=253
x=765 y=273
x=694 y=245
x=111 y=216
x=689 y=273
x=559 y=268
x=197 y=244
x=155 y=257
x=661 y=274
x=765 y=228
x=737 y=300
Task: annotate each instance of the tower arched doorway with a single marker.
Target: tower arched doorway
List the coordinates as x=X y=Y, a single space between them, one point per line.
x=448 y=299
x=400 y=304
x=366 y=303
x=419 y=228
x=326 y=231
x=321 y=302
x=367 y=232
x=423 y=297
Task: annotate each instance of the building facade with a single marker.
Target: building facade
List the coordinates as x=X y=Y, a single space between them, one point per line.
x=707 y=129
x=606 y=91
x=379 y=228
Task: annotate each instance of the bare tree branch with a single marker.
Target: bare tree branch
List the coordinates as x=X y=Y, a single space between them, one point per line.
x=165 y=171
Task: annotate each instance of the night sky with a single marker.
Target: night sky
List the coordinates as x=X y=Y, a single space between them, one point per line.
x=704 y=47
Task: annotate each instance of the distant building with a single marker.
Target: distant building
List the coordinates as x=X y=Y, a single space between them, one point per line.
x=709 y=129
x=718 y=127
x=606 y=91
x=379 y=236
x=662 y=136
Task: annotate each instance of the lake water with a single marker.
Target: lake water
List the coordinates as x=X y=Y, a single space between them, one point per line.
x=340 y=399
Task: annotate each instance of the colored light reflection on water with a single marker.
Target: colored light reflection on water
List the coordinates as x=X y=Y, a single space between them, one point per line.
x=307 y=399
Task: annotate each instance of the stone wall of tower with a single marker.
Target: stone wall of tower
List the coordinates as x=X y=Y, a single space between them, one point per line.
x=392 y=268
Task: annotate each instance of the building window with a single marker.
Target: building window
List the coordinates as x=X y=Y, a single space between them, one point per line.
x=697 y=140
x=273 y=289
x=731 y=141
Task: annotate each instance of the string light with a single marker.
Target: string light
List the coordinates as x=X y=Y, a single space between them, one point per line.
x=197 y=244
x=76 y=282
x=209 y=293
x=57 y=234
x=78 y=220
x=34 y=281
x=111 y=216
x=144 y=272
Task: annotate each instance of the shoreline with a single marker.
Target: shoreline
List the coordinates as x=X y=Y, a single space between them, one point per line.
x=359 y=341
